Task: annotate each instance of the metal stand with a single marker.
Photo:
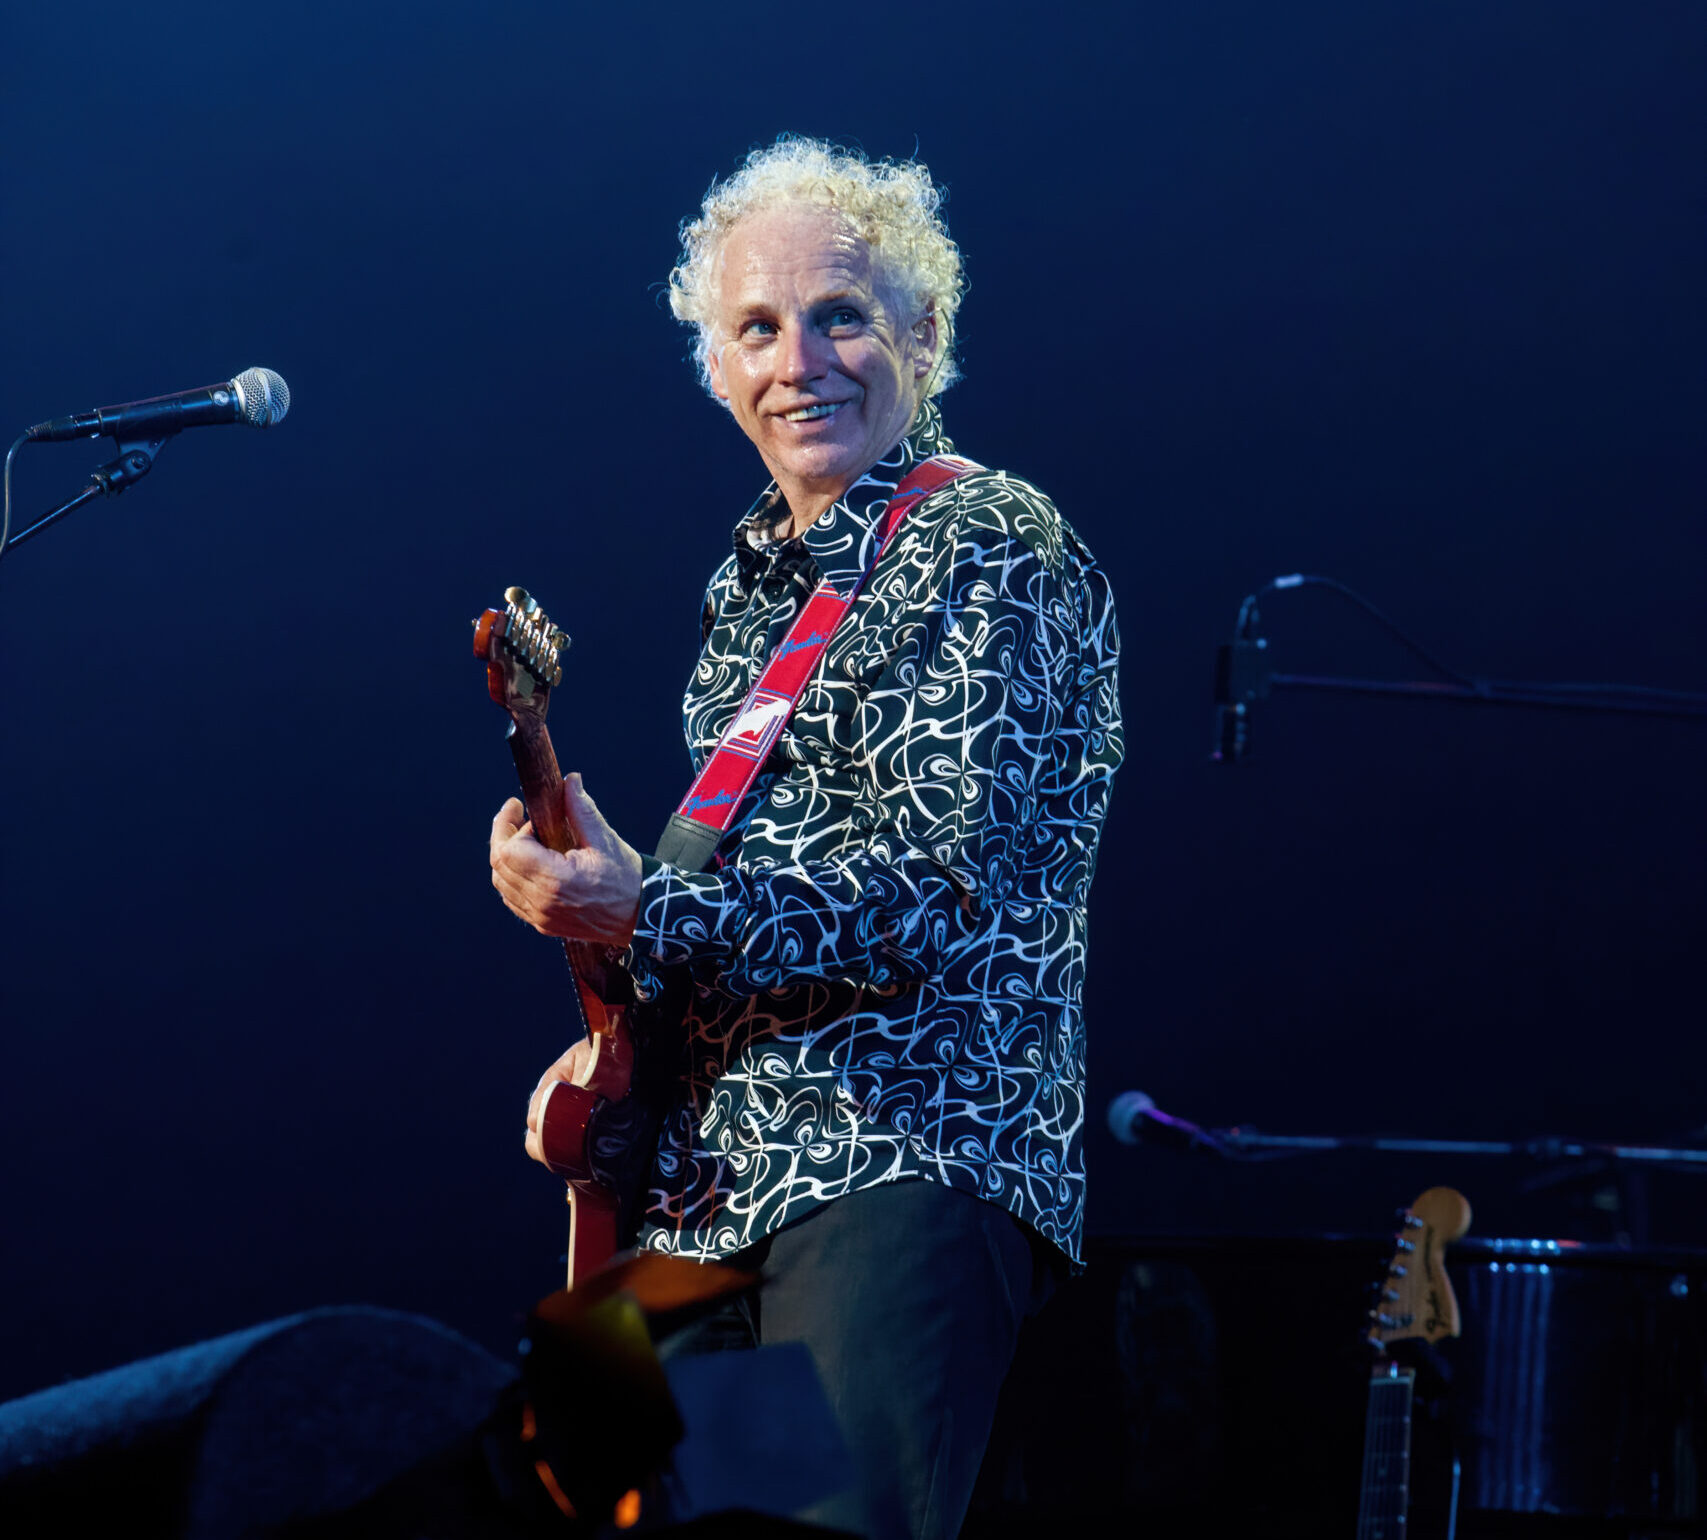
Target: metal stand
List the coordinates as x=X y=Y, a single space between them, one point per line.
x=135 y=460
x=1245 y=675
x=1241 y=1142
x=1242 y=677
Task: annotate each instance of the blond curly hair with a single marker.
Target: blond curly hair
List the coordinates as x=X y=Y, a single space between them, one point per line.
x=894 y=206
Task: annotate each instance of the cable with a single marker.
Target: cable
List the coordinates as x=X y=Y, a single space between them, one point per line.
x=6 y=510
x=1409 y=643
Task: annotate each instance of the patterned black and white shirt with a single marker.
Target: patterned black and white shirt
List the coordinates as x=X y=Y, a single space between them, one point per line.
x=887 y=962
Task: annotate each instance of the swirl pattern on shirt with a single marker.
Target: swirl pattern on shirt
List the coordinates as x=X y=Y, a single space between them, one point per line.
x=887 y=964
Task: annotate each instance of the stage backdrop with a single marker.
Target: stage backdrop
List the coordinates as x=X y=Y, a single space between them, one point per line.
x=1408 y=296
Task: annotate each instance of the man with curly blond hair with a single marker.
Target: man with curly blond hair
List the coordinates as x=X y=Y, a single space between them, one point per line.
x=878 y=1085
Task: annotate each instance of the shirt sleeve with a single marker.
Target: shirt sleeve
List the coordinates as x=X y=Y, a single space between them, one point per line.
x=964 y=746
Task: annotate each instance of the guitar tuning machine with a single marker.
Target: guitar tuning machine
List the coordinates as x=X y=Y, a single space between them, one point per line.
x=1405 y=1245
x=1397 y=1270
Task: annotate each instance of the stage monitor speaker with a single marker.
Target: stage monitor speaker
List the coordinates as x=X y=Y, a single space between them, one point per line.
x=264 y=1431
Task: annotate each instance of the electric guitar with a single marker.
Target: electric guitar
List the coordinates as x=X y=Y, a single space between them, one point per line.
x=590 y=1130
x=1417 y=1303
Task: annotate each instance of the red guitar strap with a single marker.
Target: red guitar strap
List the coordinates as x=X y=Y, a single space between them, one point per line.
x=708 y=808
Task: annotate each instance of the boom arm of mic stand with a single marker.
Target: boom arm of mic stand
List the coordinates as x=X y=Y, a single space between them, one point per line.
x=1250 y=1141
x=135 y=460
x=1490 y=695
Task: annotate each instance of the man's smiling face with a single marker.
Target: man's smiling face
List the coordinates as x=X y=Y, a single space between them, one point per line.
x=813 y=355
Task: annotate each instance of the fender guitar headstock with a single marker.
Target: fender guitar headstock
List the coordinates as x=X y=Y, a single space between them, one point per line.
x=523 y=653
x=1416 y=1295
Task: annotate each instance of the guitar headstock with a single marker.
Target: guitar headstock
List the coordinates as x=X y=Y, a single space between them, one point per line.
x=1416 y=1295
x=523 y=652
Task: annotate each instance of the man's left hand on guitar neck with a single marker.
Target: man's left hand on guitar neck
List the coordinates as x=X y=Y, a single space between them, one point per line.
x=589 y=894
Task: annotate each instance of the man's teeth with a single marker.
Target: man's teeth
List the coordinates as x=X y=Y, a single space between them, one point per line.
x=807 y=413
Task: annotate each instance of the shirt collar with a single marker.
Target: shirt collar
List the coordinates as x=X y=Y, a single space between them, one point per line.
x=840 y=539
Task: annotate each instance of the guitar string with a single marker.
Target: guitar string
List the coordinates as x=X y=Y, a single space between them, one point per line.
x=1386 y=1462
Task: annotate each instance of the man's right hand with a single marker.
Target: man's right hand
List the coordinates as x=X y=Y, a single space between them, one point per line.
x=572 y=1069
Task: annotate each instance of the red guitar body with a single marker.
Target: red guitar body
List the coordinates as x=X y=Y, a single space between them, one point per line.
x=565 y=1119
x=521 y=649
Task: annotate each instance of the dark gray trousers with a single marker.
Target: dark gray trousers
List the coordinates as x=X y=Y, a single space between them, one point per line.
x=910 y=1298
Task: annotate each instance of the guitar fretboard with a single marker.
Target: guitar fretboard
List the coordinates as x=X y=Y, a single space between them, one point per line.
x=1385 y=1498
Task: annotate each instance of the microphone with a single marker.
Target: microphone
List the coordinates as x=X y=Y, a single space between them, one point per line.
x=1232 y=733
x=1134 y=1118
x=257 y=397
x=1241 y=679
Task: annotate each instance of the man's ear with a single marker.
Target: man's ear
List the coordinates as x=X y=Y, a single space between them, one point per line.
x=927 y=341
x=714 y=368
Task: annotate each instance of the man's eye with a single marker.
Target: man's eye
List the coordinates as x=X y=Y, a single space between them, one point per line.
x=844 y=315
x=757 y=329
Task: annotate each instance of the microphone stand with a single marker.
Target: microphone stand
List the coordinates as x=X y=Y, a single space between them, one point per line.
x=1250 y=1142
x=1490 y=695
x=1244 y=675
x=1567 y=1160
x=135 y=460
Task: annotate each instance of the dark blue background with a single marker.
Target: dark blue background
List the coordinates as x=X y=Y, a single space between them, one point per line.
x=1407 y=295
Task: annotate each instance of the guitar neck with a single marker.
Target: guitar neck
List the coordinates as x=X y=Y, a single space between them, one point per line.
x=542 y=794
x=1382 y=1504
x=542 y=782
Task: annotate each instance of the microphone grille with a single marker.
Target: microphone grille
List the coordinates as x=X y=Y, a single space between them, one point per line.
x=1124 y=1112
x=264 y=396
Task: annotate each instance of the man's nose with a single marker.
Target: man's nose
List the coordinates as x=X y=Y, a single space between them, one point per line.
x=803 y=355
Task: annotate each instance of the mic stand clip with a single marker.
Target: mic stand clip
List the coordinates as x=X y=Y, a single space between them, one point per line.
x=135 y=460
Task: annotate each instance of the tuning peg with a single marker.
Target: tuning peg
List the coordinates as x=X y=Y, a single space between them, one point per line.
x=1405 y=1245
x=517 y=596
x=1397 y=1270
